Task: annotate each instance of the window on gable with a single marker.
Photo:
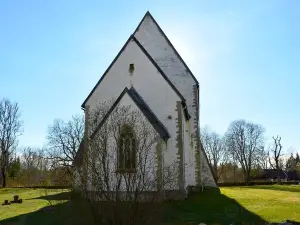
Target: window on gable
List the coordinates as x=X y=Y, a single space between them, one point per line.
x=126 y=149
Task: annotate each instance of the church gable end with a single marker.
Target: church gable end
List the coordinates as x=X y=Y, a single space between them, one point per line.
x=149 y=76
x=143 y=107
x=131 y=66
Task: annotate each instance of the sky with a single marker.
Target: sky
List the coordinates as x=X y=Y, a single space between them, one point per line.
x=245 y=55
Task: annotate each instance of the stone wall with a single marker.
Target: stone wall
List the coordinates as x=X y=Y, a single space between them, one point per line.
x=161 y=50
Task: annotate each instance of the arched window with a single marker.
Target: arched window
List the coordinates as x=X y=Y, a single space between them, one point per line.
x=126 y=149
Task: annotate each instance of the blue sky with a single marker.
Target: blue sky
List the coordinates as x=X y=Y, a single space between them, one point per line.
x=245 y=55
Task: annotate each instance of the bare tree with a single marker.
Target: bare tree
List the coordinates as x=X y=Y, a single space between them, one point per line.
x=34 y=166
x=34 y=159
x=275 y=156
x=123 y=168
x=214 y=147
x=264 y=159
x=64 y=139
x=245 y=141
x=232 y=156
x=10 y=129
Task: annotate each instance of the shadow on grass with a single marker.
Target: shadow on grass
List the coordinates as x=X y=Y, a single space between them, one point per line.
x=50 y=215
x=276 y=187
x=209 y=207
x=55 y=197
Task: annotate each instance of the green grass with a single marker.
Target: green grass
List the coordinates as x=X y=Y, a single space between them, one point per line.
x=33 y=200
x=272 y=202
x=252 y=205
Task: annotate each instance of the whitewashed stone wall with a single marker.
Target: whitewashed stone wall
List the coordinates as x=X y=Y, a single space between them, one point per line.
x=150 y=168
x=161 y=51
x=149 y=83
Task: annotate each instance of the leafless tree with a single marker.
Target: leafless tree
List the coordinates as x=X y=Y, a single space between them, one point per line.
x=232 y=157
x=264 y=159
x=214 y=147
x=123 y=169
x=34 y=167
x=245 y=140
x=10 y=129
x=34 y=159
x=64 y=139
x=275 y=156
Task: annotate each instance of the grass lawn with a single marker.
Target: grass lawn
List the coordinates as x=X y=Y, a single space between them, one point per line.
x=252 y=205
x=255 y=204
x=33 y=200
x=273 y=203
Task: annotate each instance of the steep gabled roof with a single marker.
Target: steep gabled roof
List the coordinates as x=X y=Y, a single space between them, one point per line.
x=145 y=109
x=168 y=41
x=149 y=57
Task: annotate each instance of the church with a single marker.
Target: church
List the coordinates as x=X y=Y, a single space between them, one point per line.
x=149 y=75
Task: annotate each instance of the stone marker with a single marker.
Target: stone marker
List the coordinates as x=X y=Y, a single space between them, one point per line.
x=16 y=199
x=6 y=202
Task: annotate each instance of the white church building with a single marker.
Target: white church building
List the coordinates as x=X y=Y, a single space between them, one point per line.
x=149 y=74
